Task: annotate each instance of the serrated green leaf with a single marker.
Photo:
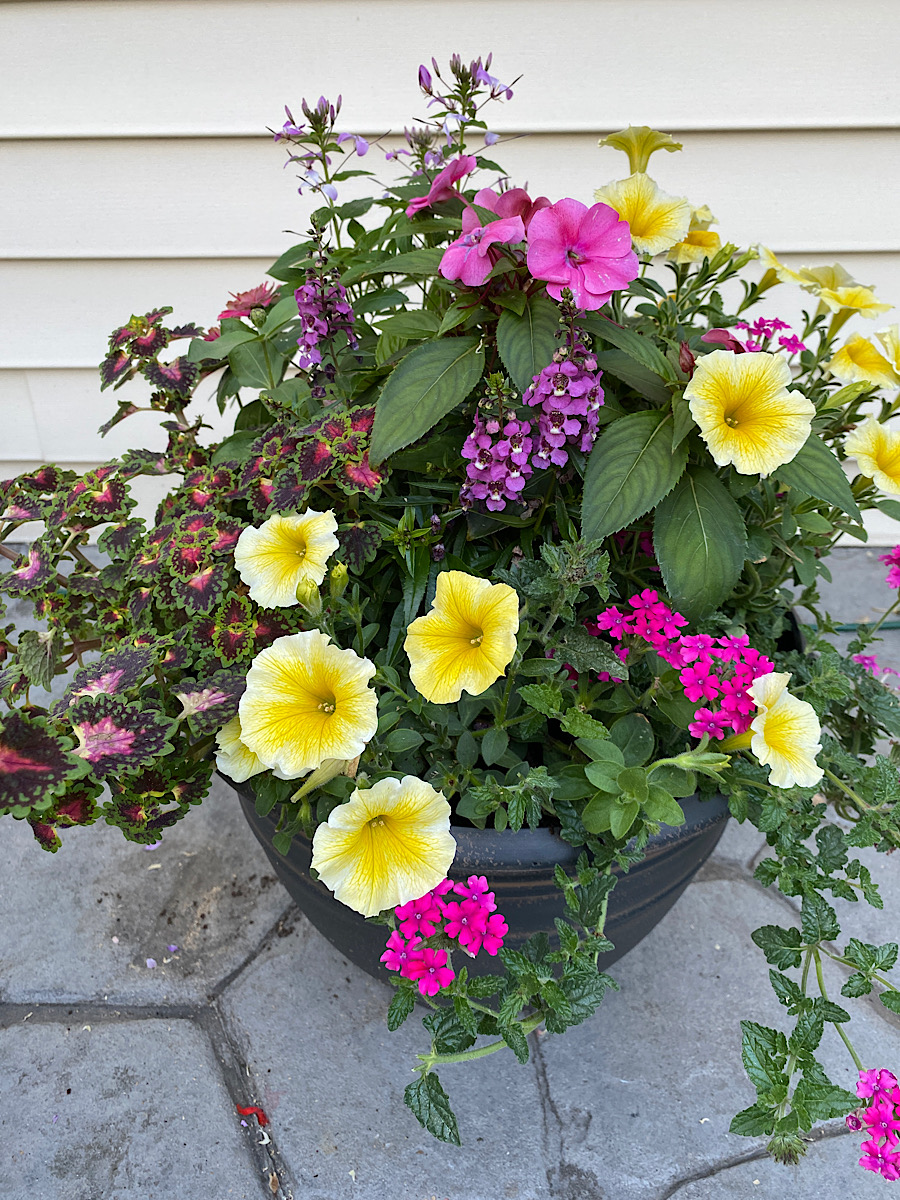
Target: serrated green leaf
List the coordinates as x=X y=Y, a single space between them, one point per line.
x=815 y=471
x=630 y=469
x=580 y=724
x=780 y=946
x=545 y=698
x=700 y=542
x=891 y=1000
x=526 y=343
x=858 y=984
x=763 y=1052
x=424 y=387
x=756 y=1121
x=430 y=1105
x=818 y=920
x=38 y=657
x=516 y=1040
x=400 y=1007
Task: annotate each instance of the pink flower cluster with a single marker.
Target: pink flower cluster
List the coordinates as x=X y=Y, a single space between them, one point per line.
x=717 y=671
x=761 y=333
x=498 y=462
x=473 y=921
x=324 y=312
x=881 y=1120
x=892 y=560
x=569 y=394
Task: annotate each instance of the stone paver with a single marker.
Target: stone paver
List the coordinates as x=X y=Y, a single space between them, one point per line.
x=129 y=1111
x=208 y=889
x=331 y=1077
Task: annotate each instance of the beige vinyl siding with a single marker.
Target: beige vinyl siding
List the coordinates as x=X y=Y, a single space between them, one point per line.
x=136 y=170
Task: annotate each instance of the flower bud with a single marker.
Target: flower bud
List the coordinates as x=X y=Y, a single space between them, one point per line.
x=308 y=597
x=258 y=317
x=425 y=80
x=686 y=359
x=337 y=581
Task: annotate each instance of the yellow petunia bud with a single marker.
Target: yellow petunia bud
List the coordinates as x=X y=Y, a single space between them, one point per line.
x=308 y=597
x=337 y=581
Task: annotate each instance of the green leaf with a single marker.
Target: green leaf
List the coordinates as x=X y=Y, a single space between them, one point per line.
x=645 y=382
x=575 y=646
x=545 y=698
x=858 y=984
x=780 y=946
x=219 y=347
x=256 y=364
x=891 y=508
x=818 y=920
x=622 y=817
x=756 y=1121
x=663 y=807
x=424 y=387
x=633 y=784
x=398 y=741
x=700 y=542
x=602 y=750
x=494 y=745
x=526 y=343
x=891 y=1000
x=763 y=1051
x=413 y=324
x=597 y=813
x=430 y=1105
x=677 y=782
x=467 y=751
x=415 y=263
x=816 y=471
x=605 y=776
x=516 y=1040
x=637 y=346
x=634 y=737
x=684 y=421
x=283 y=312
x=822 y=1099
x=38 y=657
x=580 y=724
x=630 y=469
x=401 y=1006
x=787 y=991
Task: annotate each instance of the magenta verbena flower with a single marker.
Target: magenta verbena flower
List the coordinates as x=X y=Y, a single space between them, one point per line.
x=430 y=970
x=877 y=1083
x=400 y=953
x=419 y=916
x=882 y=1160
x=587 y=250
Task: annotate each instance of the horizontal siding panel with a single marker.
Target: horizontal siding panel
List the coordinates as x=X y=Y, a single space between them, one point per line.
x=82 y=67
x=233 y=197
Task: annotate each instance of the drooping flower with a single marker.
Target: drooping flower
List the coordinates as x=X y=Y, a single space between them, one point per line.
x=696 y=245
x=472 y=256
x=657 y=220
x=890 y=344
x=587 y=250
x=387 y=845
x=242 y=304
x=747 y=417
x=442 y=184
x=876 y=449
x=307 y=701
x=466 y=641
x=233 y=758
x=786 y=733
x=515 y=202
x=855 y=298
x=858 y=359
x=639 y=142
x=833 y=285
x=284 y=552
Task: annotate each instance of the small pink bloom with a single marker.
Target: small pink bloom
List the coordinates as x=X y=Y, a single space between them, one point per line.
x=494 y=934
x=471 y=258
x=514 y=203
x=242 y=303
x=723 y=338
x=476 y=888
x=873 y=1082
x=880 y=1159
x=882 y=1120
x=431 y=972
x=463 y=919
x=400 y=954
x=442 y=184
x=587 y=250
x=212 y=333
x=420 y=916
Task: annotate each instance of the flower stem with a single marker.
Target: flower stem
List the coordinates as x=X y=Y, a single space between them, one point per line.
x=440 y=1060
x=838 y=1026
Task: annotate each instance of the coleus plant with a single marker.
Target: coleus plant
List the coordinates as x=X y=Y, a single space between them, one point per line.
x=522 y=506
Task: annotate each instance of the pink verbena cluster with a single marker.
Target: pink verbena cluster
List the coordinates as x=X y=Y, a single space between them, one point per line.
x=498 y=462
x=472 y=921
x=569 y=395
x=892 y=560
x=324 y=312
x=761 y=333
x=717 y=671
x=881 y=1121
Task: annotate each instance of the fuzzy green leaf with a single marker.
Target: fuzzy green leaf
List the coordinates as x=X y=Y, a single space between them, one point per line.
x=430 y=1105
x=402 y=1004
x=526 y=342
x=780 y=946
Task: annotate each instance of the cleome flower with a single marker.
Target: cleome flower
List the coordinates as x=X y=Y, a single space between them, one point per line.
x=747 y=417
x=307 y=701
x=284 y=552
x=233 y=758
x=785 y=733
x=858 y=359
x=657 y=220
x=387 y=845
x=466 y=641
x=877 y=452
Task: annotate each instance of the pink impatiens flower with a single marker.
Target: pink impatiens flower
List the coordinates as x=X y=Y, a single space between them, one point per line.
x=513 y=203
x=587 y=250
x=471 y=258
x=442 y=184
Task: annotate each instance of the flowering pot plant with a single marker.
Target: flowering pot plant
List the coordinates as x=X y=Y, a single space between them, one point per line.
x=507 y=530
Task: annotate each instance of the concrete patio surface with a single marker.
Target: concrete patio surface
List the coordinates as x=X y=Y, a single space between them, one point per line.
x=121 y=1079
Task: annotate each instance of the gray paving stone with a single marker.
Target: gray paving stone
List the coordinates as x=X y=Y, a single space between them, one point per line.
x=644 y=1092
x=834 y=1159
x=131 y=1111
x=331 y=1076
x=207 y=888
x=739 y=846
x=857 y=591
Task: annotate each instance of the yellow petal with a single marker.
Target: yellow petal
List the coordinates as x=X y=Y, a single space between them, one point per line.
x=702 y=218
x=657 y=221
x=877 y=452
x=307 y=701
x=696 y=245
x=387 y=845
x=639 y=142
x=771 y=263
x=746 y=415
x=856 y=297
x=890 y=341
x=786 y=733
x=233 y=758
x=284 y=552
x=858 y=359
x=466 y=641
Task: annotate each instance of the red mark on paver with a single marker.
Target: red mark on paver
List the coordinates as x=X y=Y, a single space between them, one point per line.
x=255 y=1111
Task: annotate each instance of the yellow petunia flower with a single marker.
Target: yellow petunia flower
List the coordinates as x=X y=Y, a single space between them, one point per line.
x=702 y=218
x=233 y=758
x=858 y=359
x=786 y=733
x=747 y=417
x=695 y=246
x=466 y=641
x=639 y=142
x=306 y=701
x=387 y=845
x=657 y=221
x=877 y=452
x=855 y=298
x=833 y=285
x=284 y=552
x=890 y=342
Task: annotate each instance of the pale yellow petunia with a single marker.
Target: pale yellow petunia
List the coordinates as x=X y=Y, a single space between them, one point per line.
x=307 y=701
x=877 y=452
x=233 y=758
x=832 y=284
x=890 y=342
x=657 y=221
x=466 y=641
x=856 y=298
x=283 y=553
x=786 y=733
x=859 y=360
x=639 y=142
x=387 y=845
x=696 y=245
x=746 y=415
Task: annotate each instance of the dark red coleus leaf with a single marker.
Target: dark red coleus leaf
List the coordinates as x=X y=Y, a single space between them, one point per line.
x=77 y=806
x=115 y=672
x=288 y=491
x=114 y=736
x=259 y=496
x=359 y=544
x=360 y=477
x=31 y=573
x=186 y=331
x=314 y=459
x=118 y=540
x=142 y=462
x=114 y=369
x=178 y=376
x=138 y=602
x=33 y=762
x=145 y=345
x=138 y=803
x=362 y=419
x=233 y=635
x=201 y=592
x=25 y=508
x=106 y=498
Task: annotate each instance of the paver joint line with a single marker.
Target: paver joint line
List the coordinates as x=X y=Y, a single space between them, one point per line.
x=60 y=1014
x=265 y=942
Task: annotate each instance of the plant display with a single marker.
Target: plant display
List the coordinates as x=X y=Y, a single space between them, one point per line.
x=507 y=533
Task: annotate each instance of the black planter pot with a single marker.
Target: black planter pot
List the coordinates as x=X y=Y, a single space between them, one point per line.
x=520 y=870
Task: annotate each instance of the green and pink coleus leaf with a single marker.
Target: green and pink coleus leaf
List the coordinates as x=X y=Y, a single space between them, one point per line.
x=115 y=370
x=111 y=675
x=114 y=736
x=32 y=572
x=360 y=476
x=77 y=806
x=34 y=764
x=209 y=704
x=289 y=491
x=177 y=376
x=138 y=803
x=142 y=462
x=202 y=591
x=119 y=540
